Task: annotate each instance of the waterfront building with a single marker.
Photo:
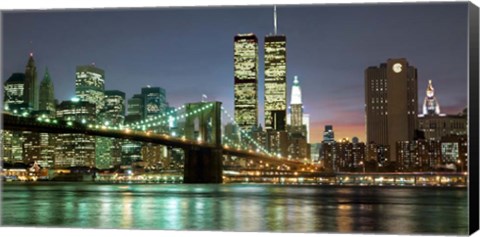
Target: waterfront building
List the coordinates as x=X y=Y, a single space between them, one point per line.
x=14 y=94
x=155 y=102
x=315 y=150
x=12 y=146
x=75 y=149
x=435 y=125
x=328 y=134
x=134 y=109
x=246 y=80
x=90 y=85
x=6 y=152
x=277 y=142
x=391 y=103
x=31 y=84
x=156 y=157
x=298 y=148
x=47 y=150
x=454 y=150
x=114 y=108
x=47 y=96
x=131 y=150
x=377 y=153
x=115 y=113
x=349 y=157
x=108 y=150
x=275 y=59
x=418 y=155
x=329 y=154
x=344 y=150
x=31 y=147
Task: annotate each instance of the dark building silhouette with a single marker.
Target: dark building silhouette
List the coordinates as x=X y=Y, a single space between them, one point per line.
x=31 y=84
x=47 y=96
x=391 y=103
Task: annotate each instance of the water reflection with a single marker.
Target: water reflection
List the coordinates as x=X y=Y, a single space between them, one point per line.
x=237 y=208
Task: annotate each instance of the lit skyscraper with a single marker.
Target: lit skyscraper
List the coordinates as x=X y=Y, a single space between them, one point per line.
x=430 y=103
x=305 y=121
x=435 y=125
x=298 y=147
x=275 y=55
x=246 y=80
x=31 y=85
x=14 y=89
x=391 y=103
x=134 y=109
x=114 y=108
x=90 y=85
x=108 y=150
x=75 y=149
x=47 y=97
x=296 y=106
x=155 y=102
x=328 y=134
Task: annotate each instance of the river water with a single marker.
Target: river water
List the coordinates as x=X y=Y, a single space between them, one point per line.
x=238 y=207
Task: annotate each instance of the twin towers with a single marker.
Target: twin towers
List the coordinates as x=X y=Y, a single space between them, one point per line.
x=246 y=80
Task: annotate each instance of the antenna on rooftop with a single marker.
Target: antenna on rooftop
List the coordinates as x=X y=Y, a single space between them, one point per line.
x=275 y=19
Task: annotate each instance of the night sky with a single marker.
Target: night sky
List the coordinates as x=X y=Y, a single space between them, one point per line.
x=189 y=51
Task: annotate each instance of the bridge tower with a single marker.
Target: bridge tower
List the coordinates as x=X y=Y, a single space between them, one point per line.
x=203 y=165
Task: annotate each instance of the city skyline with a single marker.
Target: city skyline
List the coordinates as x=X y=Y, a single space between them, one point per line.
x=438 y=60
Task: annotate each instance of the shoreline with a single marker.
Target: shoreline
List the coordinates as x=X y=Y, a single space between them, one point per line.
x=48 y=182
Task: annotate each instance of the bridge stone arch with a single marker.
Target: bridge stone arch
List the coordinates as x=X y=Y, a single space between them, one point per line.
x=209 y=122
x=203 y=165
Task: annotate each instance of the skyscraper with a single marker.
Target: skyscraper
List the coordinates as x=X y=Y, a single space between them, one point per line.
x=275 y=55
x=391 y=103
x=155 y=102
x=31 y=85
x=90 y=85
x=47 y=97
x=75 y=149
x=109 y=150
x=134 y=109
x=435 y=125
x=328 y=134
x=298 y=146
x=114 y=108
x=14 y=93
x=430 y=103
x=246 y=80
x=296 y=106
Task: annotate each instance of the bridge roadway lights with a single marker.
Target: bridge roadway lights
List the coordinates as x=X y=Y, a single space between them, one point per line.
x=203 y=165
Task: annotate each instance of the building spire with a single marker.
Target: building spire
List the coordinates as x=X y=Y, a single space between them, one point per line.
x=275 y=19
x=296 y=92
x=31 y=61
x=46 y=77
x=430 y=90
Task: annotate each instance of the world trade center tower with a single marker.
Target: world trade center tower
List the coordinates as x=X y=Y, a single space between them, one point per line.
x=246 y=80
x=275 y=80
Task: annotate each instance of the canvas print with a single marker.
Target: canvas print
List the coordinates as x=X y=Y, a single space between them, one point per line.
x=272 y=118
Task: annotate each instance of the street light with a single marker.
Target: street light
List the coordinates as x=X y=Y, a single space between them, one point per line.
x=459 y=162
x=363 y=166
